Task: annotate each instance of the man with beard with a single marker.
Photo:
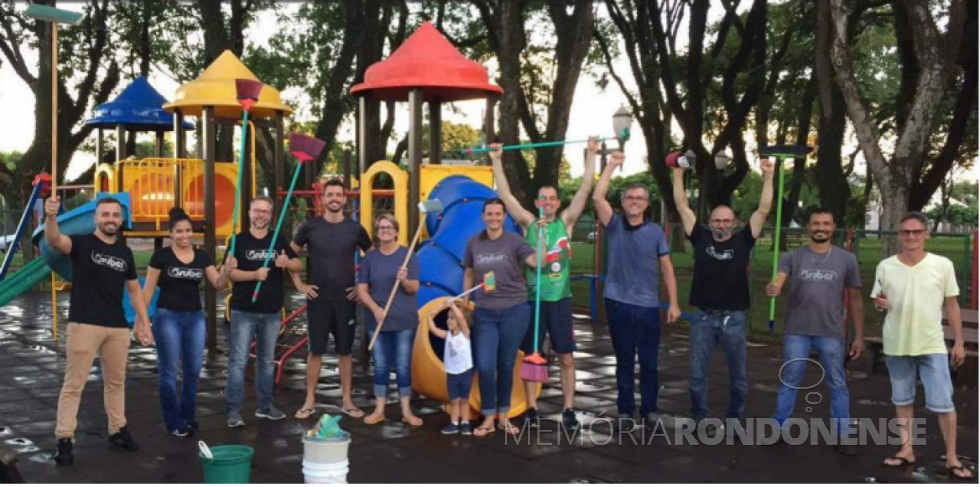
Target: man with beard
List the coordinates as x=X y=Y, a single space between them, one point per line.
x=102 y=267
x=556 y=288
x=818 y=275
x=638 y=252
x=331 y=241
x=259 y=321
x=720 y=291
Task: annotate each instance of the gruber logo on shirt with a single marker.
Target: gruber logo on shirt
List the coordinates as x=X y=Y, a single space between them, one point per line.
x=114 y=263
x=490 y=258
x=259 y=254
x=727 y=254
x=818 y=275
x=185 y=273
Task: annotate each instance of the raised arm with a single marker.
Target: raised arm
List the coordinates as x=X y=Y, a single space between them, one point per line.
x=602 y=207
x=435 y=330
x=758 y=219
x=575 y=208
x=460 y=319
x=523 y=217
x=688 y=218
x=52 y=234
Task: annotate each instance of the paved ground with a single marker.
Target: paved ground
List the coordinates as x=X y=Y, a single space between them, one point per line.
x=32 y=366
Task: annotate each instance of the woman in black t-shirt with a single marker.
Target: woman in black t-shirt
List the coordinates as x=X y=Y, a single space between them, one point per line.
x=178 y=324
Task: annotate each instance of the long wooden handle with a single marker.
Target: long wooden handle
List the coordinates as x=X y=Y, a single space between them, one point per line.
x=394 y=289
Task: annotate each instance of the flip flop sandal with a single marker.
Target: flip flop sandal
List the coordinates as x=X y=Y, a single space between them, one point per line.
x=305 y=413
x=353 y=412
x=902 y=462
x=483 y=431
x=372 y=419
x=415 y=422
x=952 y=473
x=510 y=429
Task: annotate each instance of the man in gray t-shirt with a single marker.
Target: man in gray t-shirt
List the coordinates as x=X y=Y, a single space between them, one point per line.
x=818 y=276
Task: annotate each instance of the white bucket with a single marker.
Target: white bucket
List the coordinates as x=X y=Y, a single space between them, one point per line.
x=325 y=460
x=330 y=473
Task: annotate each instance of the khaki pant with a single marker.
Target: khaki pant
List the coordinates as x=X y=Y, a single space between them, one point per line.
x=112 y=345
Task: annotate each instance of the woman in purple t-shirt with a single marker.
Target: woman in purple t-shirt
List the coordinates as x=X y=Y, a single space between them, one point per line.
x=501 y=317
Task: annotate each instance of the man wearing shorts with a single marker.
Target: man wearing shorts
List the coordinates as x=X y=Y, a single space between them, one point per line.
x=914 y=287
x=556 y=289
x=331 y=241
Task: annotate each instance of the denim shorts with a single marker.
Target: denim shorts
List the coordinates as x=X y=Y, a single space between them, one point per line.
x=459 y=384
x=932 y=369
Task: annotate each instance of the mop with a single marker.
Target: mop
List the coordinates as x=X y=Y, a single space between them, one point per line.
x=304 y=148
x=247 y=94
x=535 y=368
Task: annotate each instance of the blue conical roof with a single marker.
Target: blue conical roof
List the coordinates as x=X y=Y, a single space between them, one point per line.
x=138 y=107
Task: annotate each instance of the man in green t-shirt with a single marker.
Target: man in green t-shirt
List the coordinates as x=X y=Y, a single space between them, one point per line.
x=556 y=289
x=914 y=288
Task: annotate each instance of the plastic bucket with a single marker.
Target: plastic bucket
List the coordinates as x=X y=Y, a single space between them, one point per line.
x=333 y=473
x=676 y=159
x=231 y=464
x=319 y=451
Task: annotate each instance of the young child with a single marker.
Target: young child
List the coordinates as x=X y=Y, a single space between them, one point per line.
x=459 y=369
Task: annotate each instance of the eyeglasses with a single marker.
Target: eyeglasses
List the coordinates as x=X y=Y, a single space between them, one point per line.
x=912 y=233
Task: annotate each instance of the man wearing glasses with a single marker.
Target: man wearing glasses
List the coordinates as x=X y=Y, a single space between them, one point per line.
x=638 y=252
x=720 y=291
x=556 y=288
x=913 y=288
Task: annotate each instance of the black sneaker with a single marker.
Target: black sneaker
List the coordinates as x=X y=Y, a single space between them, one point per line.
x=182 y=431
x=123 y=441
x=532 y=418
x=193 y=426
x=64 y=457
x=568 y=420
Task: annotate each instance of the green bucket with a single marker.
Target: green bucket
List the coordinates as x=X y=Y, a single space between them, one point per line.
x=231 y=464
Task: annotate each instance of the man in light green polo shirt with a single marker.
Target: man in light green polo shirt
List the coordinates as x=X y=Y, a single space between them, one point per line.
x=914 y=287
x=556 y=288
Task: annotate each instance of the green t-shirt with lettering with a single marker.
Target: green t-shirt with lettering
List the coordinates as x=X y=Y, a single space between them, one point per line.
x=555 y=271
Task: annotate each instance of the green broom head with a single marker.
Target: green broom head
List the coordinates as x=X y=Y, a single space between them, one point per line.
x=785 y=151
x=247 y=92
x=304 y=147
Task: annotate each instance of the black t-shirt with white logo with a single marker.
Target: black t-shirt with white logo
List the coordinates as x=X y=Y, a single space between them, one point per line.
x=331 y=247
x=180 y=283
x=721 y=279
x=99 y=274
x=251 y=253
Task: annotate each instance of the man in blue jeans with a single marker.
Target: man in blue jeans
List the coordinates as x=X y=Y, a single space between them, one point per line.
x=636 y=248
x=259 y=319
x=720 y=291
x=818 y=275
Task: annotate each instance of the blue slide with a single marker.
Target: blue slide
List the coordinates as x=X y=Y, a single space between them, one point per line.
x=80 y=221
x=440 y=257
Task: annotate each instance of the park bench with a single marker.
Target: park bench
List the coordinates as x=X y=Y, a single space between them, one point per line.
x=874 y=345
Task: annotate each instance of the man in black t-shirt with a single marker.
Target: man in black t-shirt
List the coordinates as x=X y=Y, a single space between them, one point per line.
x=331 y=240
x=720 y=291
x=259 y=320
x=102 y=267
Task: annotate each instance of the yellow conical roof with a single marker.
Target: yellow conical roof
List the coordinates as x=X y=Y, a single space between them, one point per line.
x=216 y=87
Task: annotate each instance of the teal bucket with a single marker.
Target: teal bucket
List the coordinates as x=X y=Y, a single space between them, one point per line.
x=231 y=464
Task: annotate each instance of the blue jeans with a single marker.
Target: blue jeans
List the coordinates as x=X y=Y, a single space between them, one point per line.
x=796 y=351
x=244 y=327
x=496 y=336
x=178 y=335
x=932 y=369
x=706 y=331
x=635 y=330
x=393 y=351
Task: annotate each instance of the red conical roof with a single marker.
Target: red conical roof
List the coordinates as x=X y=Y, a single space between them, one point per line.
x=429 y=61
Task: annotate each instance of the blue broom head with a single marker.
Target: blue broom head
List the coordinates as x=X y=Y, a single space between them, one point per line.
x=304 y=147
x=247 y=92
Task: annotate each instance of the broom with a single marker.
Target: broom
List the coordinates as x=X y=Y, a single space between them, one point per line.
x=431 y=206
x=304 y=148
x=535 y=368
x=247 y=94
